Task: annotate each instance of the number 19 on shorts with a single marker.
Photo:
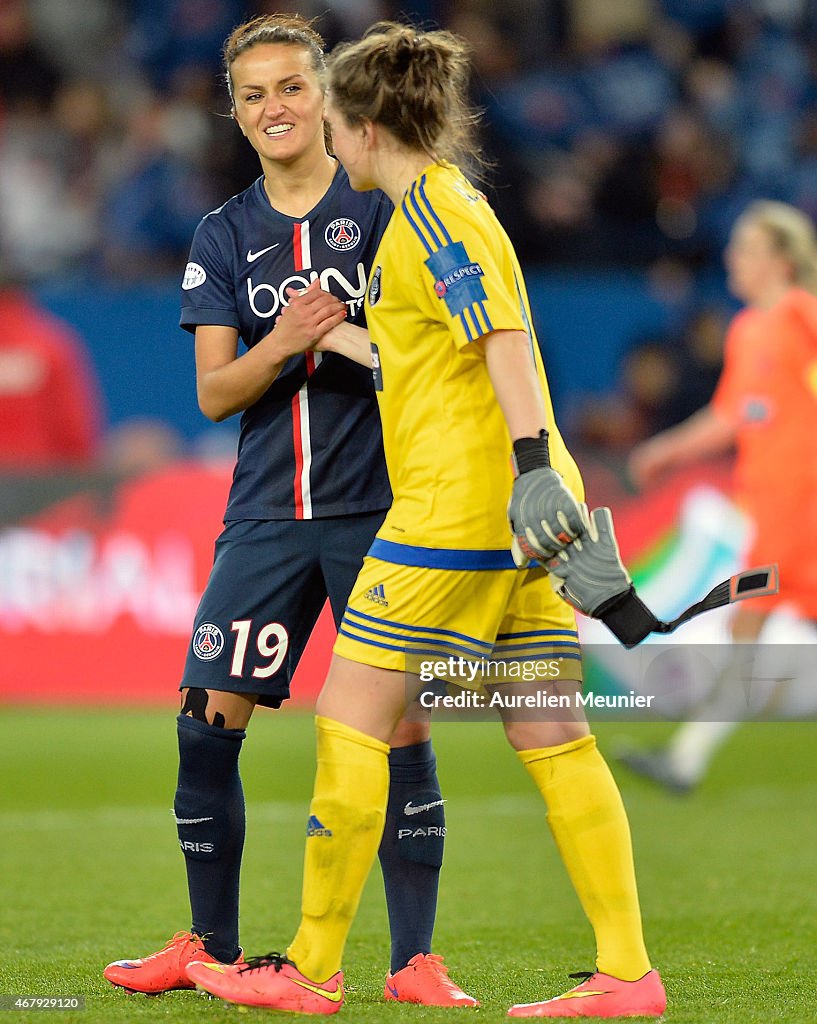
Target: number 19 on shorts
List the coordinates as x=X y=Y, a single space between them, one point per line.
x=271 y=644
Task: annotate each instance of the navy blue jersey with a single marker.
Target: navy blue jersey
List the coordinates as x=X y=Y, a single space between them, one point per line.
x=311 y=446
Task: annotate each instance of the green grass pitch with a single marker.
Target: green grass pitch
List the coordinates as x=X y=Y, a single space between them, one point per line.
x=90 y=871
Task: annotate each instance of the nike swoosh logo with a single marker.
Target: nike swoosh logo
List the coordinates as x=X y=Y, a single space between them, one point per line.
x=582 y=995
x=409 y=809
x=393 y=990
x=333 y=997
x=253 y=256
x=190 y=821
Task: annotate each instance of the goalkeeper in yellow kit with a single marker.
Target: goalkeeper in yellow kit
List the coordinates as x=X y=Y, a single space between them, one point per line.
x=461 y=386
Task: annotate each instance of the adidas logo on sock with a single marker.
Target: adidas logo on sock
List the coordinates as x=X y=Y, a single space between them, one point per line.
x=378 y=595
x=315 y=828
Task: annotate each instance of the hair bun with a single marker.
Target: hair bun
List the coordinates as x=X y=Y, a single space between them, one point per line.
x=406 y=46
x=414 y=83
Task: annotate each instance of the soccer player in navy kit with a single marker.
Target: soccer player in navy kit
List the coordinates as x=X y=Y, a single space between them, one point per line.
x=281 y=263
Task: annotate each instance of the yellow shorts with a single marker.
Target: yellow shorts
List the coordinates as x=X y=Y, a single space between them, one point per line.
x=399 y=615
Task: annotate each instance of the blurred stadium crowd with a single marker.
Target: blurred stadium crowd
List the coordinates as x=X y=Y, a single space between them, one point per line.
x=618 y=132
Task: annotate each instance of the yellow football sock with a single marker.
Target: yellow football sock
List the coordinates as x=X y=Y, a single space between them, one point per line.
x=345 y=826
x=589 y=823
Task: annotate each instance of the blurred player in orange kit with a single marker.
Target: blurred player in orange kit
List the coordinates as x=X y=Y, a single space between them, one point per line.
x=766 y=406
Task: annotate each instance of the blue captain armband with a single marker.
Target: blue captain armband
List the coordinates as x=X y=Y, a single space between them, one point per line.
x=456 y=278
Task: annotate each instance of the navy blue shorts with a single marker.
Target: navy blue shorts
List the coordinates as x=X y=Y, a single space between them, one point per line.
x=269 y=581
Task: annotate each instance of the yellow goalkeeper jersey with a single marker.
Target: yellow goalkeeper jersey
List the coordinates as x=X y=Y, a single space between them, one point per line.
x=444 y=276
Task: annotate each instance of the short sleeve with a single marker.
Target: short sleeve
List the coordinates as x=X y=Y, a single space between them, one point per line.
x=468 y=277
x=208 y=290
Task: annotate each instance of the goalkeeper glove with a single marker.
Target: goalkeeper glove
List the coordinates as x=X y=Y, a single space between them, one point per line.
x=591 y=576
x=543 y=514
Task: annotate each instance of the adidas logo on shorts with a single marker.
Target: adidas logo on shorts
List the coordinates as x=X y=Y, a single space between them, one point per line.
x=378 y=595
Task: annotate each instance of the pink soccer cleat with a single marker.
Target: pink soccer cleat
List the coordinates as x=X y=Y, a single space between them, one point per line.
x=271 y=981
x=601 y=995
x=163 y=971
x=425 y=980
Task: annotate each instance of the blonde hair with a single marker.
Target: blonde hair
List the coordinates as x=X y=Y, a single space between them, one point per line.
x=792 y=234
x=288 y=29
x=413 y=83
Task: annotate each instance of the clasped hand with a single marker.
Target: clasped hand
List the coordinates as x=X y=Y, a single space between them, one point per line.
x=310 y=314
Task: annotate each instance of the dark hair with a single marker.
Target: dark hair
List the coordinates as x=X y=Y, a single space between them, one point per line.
x=413 y=83
x=288 y=29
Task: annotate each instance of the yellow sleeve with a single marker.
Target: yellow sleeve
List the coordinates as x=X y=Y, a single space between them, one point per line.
x=467 y=278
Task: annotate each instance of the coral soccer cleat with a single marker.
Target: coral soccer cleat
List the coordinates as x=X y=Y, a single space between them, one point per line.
x=601 y=995
x=271 y=981
x=425 y=980
x=163 y=971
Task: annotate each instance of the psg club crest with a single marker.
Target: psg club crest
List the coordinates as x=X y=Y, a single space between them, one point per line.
x=342 y=234
x=208 y=642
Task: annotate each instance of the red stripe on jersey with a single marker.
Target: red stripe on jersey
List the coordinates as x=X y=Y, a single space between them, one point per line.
x=302 y=444
x=302 y=249
x=301 y=439
x=299 y=457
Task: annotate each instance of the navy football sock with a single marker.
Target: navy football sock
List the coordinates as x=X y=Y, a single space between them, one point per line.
x=209 y=810
x=411 y=851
